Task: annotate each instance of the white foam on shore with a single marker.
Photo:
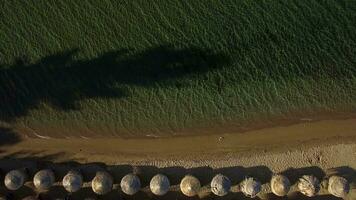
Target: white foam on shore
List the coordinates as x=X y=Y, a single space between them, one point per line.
x=41 y=136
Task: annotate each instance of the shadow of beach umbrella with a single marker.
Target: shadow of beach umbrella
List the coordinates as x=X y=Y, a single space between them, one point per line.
x=338 y=186
x=9 y=196
x=250 y=187
x=130 y=184
x=15 y=179
x=30 y=198
x=308 y=185
x=102 y=183
x=4 y=198
x=280 y=185
x=72 y=181
x=44 y=179
x=220 y=185
x=159 y=184
x=190 y=186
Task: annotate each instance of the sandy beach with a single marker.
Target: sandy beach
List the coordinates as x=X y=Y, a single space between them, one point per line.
x=247 y=89
x=319 y=148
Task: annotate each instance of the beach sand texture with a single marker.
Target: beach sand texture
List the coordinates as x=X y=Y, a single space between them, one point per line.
x=319 y=148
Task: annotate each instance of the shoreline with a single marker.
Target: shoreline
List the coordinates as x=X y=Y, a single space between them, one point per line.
x=95 y=131
x=275 y=139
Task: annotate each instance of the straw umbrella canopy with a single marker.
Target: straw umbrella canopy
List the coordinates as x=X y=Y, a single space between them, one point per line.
x=44 y=179
x=309 y=185
x=15 y=179
x=280 y=185
x=338 y=186
x=250 y=187
x=72 y=181
x=159 y=184
x=220 y=185
x=130 y=184
x=102 y=183
x=190 y=186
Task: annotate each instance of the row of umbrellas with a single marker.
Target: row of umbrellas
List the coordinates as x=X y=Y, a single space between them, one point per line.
x=190 y=186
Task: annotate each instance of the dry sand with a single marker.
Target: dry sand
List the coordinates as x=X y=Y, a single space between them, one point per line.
x=305 y=148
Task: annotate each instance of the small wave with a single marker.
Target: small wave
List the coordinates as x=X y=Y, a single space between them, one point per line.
x=41 y=136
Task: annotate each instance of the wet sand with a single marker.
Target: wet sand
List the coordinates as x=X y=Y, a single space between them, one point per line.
x=305 y=148
x=111 y=130
x=266 y=140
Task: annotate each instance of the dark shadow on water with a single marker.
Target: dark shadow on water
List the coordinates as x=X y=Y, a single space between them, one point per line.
x=61 y=81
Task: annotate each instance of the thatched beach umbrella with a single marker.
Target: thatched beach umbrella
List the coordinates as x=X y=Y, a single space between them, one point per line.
x=280 y=185
x=220 y=185
x=190 y=186
x=44 y=179
x=15 y=179
x=102 y=183
x=130 y=184
x=309 y=185
x=250 y=187
x=338 y=186
x=72 y=181
x=159 y=184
